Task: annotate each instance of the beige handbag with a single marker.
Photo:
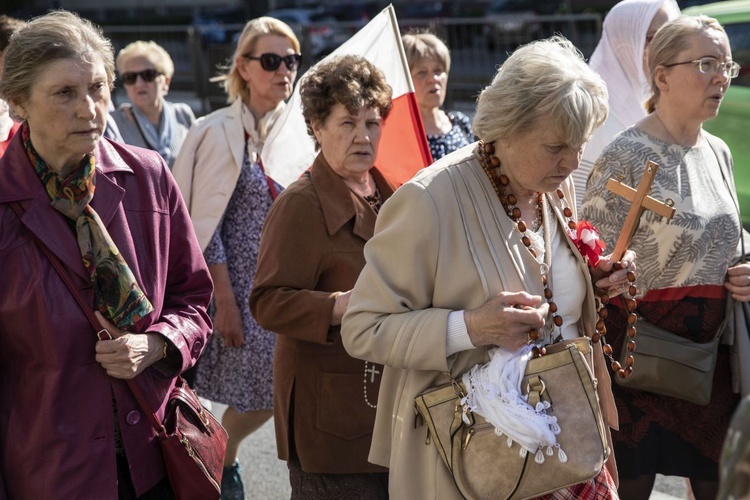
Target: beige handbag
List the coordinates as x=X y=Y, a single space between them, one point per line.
x=481 y=462
x=671 y=365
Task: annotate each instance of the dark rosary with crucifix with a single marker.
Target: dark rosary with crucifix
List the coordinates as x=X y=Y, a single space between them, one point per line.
x=639 y=202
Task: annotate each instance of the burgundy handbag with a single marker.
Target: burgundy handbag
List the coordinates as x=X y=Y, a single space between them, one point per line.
x=192 y=441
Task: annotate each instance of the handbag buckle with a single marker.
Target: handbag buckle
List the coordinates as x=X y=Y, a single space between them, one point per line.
x=103 y=334
x=457 y=388
x=537 y=381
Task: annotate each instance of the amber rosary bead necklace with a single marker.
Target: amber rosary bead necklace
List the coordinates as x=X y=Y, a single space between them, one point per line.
x=492 y=168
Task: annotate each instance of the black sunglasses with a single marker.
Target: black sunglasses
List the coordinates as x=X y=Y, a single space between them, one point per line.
x=148 y=75
x=271 y=62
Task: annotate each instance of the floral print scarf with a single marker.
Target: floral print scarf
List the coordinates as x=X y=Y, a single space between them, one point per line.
x=117 y=294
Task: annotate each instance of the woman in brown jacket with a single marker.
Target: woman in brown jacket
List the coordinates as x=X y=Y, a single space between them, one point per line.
x=311 y=253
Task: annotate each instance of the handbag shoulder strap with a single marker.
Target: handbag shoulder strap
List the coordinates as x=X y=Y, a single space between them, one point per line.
x=732 y=195
x=98 y=328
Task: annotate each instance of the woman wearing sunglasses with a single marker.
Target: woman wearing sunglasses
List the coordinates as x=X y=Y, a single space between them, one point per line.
x=228 y=196
x=149 y=121
x=687 y=267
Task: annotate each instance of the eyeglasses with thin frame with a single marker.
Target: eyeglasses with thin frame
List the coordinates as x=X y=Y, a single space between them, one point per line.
x=271 y=62
x=148 y=75
x=711 y=65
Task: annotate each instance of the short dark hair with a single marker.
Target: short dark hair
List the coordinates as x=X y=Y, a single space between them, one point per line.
x=8 y=26
x=350 y=80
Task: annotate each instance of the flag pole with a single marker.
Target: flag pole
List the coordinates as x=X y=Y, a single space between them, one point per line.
x=419 y=125
x=401 y=53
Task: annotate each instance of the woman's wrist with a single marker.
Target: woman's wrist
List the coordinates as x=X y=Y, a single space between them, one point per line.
x=158 y=347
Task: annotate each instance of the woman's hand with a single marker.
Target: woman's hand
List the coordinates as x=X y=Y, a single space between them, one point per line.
x=613 y=282
x=228 y=318
x=505 y=320
x=127 y=354
x=228 y=323
x=339 y=307
x=738 y=281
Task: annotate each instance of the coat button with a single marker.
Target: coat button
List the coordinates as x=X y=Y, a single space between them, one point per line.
x=196 y=349
x=133 y=417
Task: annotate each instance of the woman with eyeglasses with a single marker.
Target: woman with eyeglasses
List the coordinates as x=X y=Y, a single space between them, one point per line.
x=228 y=195
x=688 y=266
x=150 y=121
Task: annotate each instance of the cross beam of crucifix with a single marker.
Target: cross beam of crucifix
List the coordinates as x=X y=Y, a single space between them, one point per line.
x=639 y=202
x=372 y=371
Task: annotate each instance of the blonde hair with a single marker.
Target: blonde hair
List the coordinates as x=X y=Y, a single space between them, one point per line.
x=421 y=46
x=57 y=35
x=671 y=39
x=152 y=51
x=234 y=85
x=545 y=78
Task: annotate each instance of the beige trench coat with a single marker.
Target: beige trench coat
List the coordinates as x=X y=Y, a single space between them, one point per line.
x=441 y=244
x=210 y=161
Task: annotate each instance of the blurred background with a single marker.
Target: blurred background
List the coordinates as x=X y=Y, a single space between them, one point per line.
x=200 y=34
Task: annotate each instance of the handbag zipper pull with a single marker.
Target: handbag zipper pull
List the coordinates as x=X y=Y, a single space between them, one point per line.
x=188 y=447
x=468 y=438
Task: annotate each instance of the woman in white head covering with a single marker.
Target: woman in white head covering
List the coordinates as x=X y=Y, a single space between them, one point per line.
x=620 y=59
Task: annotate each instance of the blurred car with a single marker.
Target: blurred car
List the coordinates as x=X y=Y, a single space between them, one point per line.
x=357 y=14
x=509 y=23
x=733 y=121
x=317 y=29
x=214 y=25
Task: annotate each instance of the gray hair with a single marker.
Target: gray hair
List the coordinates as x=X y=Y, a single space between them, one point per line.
x=234 y=85
x=671 y=39
x=421 y=46
x=48 y=38
x=543 y=78
x=152 y=51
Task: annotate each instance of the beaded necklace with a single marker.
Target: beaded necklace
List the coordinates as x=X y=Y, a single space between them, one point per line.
x=372 y=371
x=375 y=200
x=492 y=168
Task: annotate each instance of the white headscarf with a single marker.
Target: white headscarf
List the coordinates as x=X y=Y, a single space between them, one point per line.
x=618 y=58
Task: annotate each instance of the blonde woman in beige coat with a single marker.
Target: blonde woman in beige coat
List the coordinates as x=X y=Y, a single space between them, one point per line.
x=447 y=274
x=228 y=196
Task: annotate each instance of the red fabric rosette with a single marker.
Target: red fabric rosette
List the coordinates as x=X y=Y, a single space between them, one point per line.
x=586 y=239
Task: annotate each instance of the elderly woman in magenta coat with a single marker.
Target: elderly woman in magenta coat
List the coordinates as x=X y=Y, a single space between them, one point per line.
x=69 y=425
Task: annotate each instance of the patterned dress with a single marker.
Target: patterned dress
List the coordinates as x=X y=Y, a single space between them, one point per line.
x=682 y=267
x=241 y=377
x=457 y=137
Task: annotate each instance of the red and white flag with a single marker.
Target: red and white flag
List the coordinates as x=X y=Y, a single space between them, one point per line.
x=403 y=149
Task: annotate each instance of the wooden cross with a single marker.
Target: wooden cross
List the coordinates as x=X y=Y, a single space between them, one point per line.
x=640 y=201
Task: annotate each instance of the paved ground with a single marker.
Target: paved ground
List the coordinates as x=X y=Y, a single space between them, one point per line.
x=266 y=477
